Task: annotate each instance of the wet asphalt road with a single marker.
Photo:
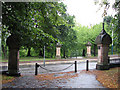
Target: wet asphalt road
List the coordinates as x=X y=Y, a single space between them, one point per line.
x=30 y=69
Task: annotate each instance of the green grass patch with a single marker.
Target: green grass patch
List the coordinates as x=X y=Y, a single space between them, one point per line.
x=29 y=59
x=4 y=77
x=36 y=59
x=3 y=60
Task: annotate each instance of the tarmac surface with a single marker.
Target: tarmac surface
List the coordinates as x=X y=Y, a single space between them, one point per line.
x=81 y=81
x=52 y=68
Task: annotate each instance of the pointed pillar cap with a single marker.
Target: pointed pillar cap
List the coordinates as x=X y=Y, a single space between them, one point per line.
x=58 y=45
x=89 y=44
x=103 y=38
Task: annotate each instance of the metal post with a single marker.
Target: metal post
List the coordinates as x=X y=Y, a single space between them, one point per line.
x=112 y=40
x=44 y=56
x=36 y=69
x=75 y=66
x=87 y=65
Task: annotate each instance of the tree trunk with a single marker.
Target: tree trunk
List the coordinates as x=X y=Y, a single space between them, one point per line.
x=83 y=54
x=13 y=60
x=41 y=53
x=94 y=49
x=51 y=55
x=4 y=50
x=64 y=53
x=28 y=54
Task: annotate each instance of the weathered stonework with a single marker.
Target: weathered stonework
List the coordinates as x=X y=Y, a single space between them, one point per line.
x=58 y=47
x=88 y=49
x=103 y=41
x=13 y=61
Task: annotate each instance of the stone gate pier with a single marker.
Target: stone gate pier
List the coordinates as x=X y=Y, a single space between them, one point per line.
x=58 y=47
x=88 y=49
x=13 y=43
x=103 y=41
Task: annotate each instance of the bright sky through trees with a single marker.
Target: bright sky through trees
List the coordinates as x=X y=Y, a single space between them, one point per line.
x=86 y=12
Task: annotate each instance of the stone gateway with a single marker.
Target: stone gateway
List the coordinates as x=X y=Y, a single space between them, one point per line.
x=13 y=43
x=103 y=41
x=58 y=47
x=88 y=49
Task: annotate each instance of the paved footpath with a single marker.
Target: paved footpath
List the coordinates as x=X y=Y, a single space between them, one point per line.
x=83 y=80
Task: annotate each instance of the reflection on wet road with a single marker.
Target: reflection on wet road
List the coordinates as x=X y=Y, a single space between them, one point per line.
x=30 y=69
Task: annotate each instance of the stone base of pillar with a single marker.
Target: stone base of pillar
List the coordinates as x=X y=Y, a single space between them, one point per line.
x=88 y=55
x=13 y=73
x=102 y=67
x=58 y=57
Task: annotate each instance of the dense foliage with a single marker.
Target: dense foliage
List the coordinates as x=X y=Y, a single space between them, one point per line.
x=37 y=25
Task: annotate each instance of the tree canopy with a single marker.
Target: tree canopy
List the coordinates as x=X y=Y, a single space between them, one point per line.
x=37 y=24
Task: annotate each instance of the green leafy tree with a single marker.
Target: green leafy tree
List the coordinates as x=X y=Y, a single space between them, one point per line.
x=67 y=35
x=34 y=23
x=85 y=34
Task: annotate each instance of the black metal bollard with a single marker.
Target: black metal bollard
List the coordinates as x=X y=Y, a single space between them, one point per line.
x=75 y=66
x=36 y=66
x=87 y=65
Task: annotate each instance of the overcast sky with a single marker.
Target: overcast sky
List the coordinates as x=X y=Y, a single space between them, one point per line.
x=85 y=11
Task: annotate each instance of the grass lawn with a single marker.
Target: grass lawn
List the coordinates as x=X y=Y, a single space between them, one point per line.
x=29 y=59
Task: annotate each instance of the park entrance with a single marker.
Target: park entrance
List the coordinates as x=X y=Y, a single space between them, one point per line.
x=103 y=40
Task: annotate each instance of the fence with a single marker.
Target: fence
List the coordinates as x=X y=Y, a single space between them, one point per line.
x=38 y=65
x=114 y=61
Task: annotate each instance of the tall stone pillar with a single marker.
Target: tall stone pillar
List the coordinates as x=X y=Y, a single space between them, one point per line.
x=58 y=47
x=13 y=61
x=88 y=49
x=103 y=41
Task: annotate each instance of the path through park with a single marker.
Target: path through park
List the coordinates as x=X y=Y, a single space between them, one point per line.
x=72 y=80
x=81 y=81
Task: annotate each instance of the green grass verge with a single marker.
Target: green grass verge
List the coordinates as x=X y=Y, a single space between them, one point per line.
x=29 y=59
x=4 y=77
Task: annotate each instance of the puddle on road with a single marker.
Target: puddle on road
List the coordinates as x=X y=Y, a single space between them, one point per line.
x=64 y=73
x=58 y=75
